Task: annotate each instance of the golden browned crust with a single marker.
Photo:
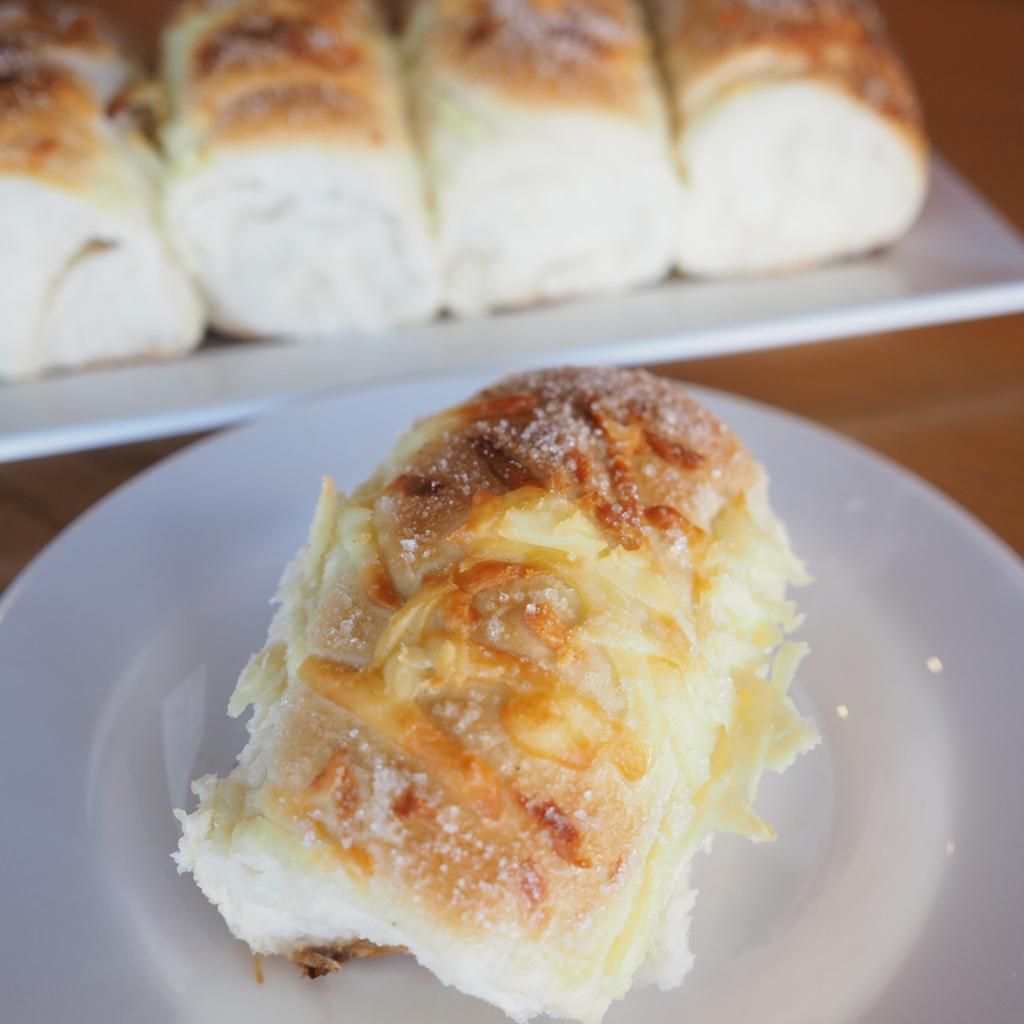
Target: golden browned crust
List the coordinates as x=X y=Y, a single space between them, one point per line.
x=634 y=447
x=51 y=111
x=507 y=774
x=49 y=115
x=841 y=42
x=317 y=961
x=317 y=69
x=48 y=121
x=579 y=53
x=38 y=27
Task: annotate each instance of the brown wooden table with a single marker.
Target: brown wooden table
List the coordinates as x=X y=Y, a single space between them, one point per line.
x=947 y=402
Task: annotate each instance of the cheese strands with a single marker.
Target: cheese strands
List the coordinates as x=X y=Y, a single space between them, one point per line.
x=515 y=681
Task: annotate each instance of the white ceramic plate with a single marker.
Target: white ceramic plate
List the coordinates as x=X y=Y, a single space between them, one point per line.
x=961 y=261
x=893 y=895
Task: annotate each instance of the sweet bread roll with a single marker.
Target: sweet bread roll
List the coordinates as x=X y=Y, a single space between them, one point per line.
x=85 y=273
x=514 y=682
x=796 y=128
x=295 y=195
x=546 y=147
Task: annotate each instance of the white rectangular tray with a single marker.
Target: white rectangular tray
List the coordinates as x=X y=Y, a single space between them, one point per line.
x=961 y=261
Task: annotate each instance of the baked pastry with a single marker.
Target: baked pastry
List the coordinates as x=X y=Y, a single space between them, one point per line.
x=514 y=682
x=797 y=132
x=295 y=195
x=85 y=272
x=546 y=147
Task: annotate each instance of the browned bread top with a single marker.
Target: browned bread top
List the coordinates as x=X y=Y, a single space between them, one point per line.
x=48 y=121
x=579 y=53
x=633 y=448
x=39 y=27
x=259 y=69
x=843 y=42
x=59 y=66
x=511 y=760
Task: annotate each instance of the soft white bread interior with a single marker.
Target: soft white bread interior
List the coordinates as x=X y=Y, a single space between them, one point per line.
x=85 y=273
x=514 y=682
x=797 y=132
x=295 y=194
x=545 y=140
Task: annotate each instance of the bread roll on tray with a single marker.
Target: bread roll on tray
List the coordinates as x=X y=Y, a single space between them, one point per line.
x=545 y=141
x=797 y=131
x=85 y=272
x=295 y=194
x=514 y=682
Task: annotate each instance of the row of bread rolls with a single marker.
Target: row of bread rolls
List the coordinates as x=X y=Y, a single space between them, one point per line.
x=321 y=176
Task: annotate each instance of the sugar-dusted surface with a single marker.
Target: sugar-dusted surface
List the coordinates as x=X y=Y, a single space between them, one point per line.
x=634 y=441
x=575 y=52
x=514 y=682
x=259 y=69
x=59 y=67
x=57 y=26
x=842 y=42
